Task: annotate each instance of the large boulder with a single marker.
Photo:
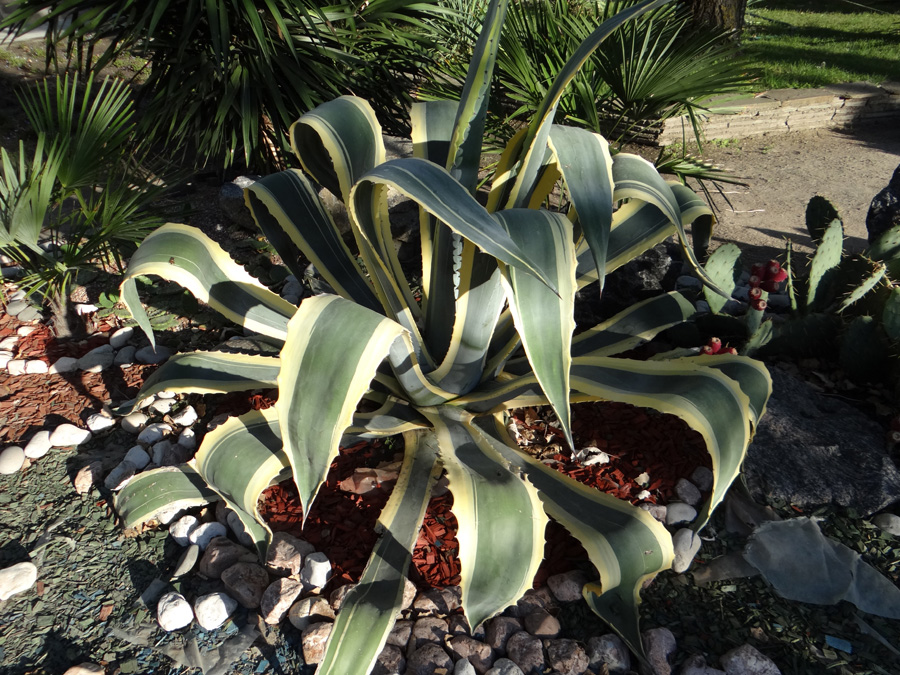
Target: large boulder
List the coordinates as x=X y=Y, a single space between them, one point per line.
x=812 y=450
x=884 y=213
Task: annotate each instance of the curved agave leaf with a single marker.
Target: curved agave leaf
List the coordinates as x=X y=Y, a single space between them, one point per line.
x=696 y=213
x=501 y=522
x=338 y=142
x=708 y=400
x=418 y=387
x=170 y=488
x=394 y=416
x=240 y=459
x=212 y=373
x=626 y=544
x=586 y=168
x=286 y=206
x=188 y=257
x=368 y=611
x=751 y=376
x=330 y=356
x=545 y=320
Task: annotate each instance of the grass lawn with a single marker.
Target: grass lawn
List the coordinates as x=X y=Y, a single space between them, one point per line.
x=806 y=43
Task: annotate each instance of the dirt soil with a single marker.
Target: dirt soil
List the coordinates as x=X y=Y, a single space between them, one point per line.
x=783 y=171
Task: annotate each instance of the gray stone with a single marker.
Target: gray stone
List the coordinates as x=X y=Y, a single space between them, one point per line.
x=97 y=360
x=85 y=668
x=316 y=571
x=466 y=648
x=246 y=582
x=504 y=666
x=747 y=660
x=16 y=306
x=205 y=533
x=99 y=422
x=185 y=417
x=231 y=201
x=313 y=609
x=286 y=553
x=440 y=601
x=149 y=355
x=566 y=587
x=314 y=639
x=277 y=599
x=427 y=660
x=187 y=561
x=240 y=530
x=390 y=661
x=181 y=529
x=567 y=657
x=187 y=439
x=679 y=512
x=459 y=625
x=686 y=543
x=125 y=356
x=66 y=435
x=118 y=478
x=213 y=610
x=29 y=314
x=138 y=457
x=17 y=579
x=220 y=554
x=696 y=665
x=11 y=459
x=167 y=453
x=659 y=646
x=884 y=211
x=498 y=631
x=64 y=364
x=687 y=492
x=11 y=271
x=134 y=422
x=542 y=624
x=533 y=600
x=527 y=652
x=609 y=650
x=173 y=612
x=121 y=337
x=400 y=634
x=658 y=511
x=702 y=478
x=463 y=667
x=888 y=522
x=812 y=450
x=428 y=629
x=39 y=445
x=154 y=433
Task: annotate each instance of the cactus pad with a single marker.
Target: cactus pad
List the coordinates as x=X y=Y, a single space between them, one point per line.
x=887 y=246
x=722 y=268
x=890 y=318
x=819 y=214
x=824 y=264
x=863 y=352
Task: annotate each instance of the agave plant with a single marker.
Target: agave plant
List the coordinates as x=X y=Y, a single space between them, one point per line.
x=493 y=330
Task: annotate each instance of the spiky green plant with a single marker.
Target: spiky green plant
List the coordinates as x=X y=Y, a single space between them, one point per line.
x=493 y=330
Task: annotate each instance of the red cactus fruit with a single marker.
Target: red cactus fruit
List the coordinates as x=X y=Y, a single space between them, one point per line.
x=730 y=350
x=773 y=267
x=715 y=344
x=895 y=437
x=753 y=281
x=769 y=285
x=706 y=349
x=759 y=304
x=758 y=270
x=780 y=276
x=755 y=293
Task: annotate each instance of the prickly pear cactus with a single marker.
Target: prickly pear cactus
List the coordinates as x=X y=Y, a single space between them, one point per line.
x=824 y=265
x=863 y=352
x=890 y=317
x=723 y=267
x=887 y=249
x=819 y=214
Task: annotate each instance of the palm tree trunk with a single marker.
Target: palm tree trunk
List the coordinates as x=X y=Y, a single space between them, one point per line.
x=724 y=15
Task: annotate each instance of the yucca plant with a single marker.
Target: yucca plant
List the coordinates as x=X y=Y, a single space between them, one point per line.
x=443 y=370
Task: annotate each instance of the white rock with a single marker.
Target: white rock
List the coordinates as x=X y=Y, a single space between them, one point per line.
x=85 y=668
x=687 y=492
x=9 y=343
x=316 y=570
x=5 y=358
x=17 y=579
x=702 y=478
x=16 y=366
x=97 y=360
x=167 y=453
x=173 y=612
x=29 y=314
x=84 y=308
x=187 y=439
x=277 y=599
x=888 y=522
x=137 y=457
x=679 y=512
x=99 y=422
x=68 y=434
x=144 y=403
x=39 y=445
x=162 y=406
x=166 y=394
x=134 y=422
x=598 y=458
x=64 y=364
x=121 y=337
x=686 y=544
x=644 y=494
x=214 y=609
x=119 y=476
x=149 y=355
x=33 y=366
x=236 y=526
x=747 y=660
x=203 y=534
x=185 y=417
x=181 y=529
x=24 y=331
x=696 y=665
x=11 y=459
x=153 y=433
x=308 y=611
x=125 y=356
